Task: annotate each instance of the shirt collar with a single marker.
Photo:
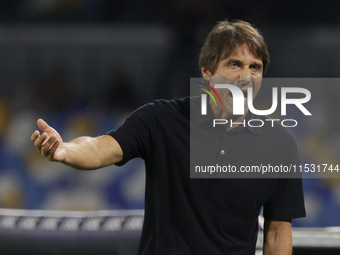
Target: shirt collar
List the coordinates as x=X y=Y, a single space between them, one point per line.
x=202 y=120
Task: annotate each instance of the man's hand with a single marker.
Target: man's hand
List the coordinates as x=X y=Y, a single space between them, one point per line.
x=49 y=144
x=83 y=153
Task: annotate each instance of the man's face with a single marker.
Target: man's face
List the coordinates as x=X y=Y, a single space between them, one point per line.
x=241 y=69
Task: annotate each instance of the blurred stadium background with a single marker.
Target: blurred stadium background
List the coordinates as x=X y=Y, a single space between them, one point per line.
x=83 y=65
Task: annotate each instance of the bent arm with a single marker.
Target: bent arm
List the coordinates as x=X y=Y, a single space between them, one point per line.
x=86 y=153
x=277 y=237
x=83 y=153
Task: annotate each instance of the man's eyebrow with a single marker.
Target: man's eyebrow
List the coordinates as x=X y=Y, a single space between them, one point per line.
x=238 y=61
x=233 y=60
x=259 y=63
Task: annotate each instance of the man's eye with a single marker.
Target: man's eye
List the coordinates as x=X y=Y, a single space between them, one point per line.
x=256 y=67
x=234 y=65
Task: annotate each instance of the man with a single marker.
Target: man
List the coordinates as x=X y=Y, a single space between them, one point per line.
x=199 y=216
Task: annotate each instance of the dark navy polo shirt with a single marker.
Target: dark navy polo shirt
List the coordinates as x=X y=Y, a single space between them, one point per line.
x=204 y=216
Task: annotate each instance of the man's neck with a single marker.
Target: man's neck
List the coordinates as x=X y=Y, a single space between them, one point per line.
x=220 y=114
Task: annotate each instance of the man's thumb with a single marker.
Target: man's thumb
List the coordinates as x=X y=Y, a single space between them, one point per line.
x=43 y=125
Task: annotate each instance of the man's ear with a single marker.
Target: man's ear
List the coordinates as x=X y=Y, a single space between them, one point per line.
x=206 y=73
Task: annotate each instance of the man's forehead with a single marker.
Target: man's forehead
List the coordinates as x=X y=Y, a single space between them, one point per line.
x=242 y=52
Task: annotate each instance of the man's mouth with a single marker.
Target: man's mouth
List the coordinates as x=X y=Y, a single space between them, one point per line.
x=245 y=94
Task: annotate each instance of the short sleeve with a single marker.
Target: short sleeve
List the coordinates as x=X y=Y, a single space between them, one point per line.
x=287 y=200
x=134 y=134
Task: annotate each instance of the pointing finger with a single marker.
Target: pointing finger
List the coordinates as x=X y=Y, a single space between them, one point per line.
x=43 y=125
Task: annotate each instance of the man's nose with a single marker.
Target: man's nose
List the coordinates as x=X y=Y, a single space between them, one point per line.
x=245 y=77
x=245 y=73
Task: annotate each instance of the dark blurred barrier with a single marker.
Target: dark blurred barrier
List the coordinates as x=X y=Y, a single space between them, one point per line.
x=114 y=233
x=53 y=232
x=316 y=241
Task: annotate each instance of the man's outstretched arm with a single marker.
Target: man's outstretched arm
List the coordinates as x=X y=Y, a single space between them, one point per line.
x=277 y=237
x=84 y=153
